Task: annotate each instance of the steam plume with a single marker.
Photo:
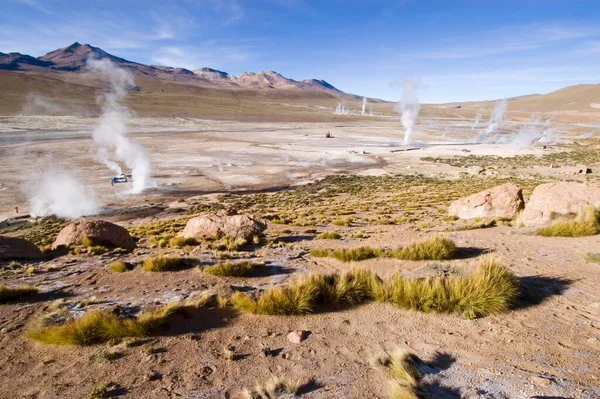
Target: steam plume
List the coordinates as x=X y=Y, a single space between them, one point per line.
x=111 y=132
x=60 y=194
x=341 y=109
x=364 y=105
x=408 y=108
x=497 y=117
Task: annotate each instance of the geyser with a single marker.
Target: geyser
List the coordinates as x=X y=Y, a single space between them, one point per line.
x=111 y=132
x=408 y=108
x=364 y=105
x=60 y=194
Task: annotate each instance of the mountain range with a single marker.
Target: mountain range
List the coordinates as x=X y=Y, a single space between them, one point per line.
x=73 y=58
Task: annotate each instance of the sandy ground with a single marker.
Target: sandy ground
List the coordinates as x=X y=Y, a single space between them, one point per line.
x=546 y=347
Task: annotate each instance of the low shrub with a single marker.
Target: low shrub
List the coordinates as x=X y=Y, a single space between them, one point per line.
x=180 y=242
x=104 y=325
x=490 y=288
x=274 y=387
x=587 y=223
x=329 y=235
x=118 y=266
x=14 y=294
x=436 y=248
x=163 y=264
x=229 y=269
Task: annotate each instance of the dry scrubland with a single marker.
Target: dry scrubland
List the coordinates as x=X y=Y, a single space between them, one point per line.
x=369 y=265
x=384 y=294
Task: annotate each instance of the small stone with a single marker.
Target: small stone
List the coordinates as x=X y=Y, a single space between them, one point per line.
x=297 y=336
x=154 y=376
x=541 y=381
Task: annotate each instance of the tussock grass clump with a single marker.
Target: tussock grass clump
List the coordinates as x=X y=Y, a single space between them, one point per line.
x=436 y=248
x=229 y=269
x=103 y=325
x=180 y=242
x=97 y=250
x=404 y=367
x=163 y=264
x=587 y=223
x=591 y=258
x=355 y=254
x=100 y=391
x=118 y=266
x=14 y=294
x=329 y=235
x=273 y=388
x=489 y=289
x=320 y=252
x=302 y=296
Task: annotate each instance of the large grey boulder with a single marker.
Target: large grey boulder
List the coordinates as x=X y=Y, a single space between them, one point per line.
x=102 y=232
x=18 y=248
x=235 y=226
x=558 y=200
x=503 y=202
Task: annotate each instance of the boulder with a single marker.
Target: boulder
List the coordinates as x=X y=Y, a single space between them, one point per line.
x=558 y=200
x=234 y=226
x=102 y=232
x=503 y=201
x=18 y=248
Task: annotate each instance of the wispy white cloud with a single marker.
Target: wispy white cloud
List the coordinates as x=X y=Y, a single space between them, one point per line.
x=210 y=53
x=507 y=39
x=36 y=4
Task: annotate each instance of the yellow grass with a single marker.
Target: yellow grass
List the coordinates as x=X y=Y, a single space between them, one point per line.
x=103 y=325
x=491 y=288
x=163 y=264
x=118 y=266
x=229 y=269
x=273 y=388
x=12 y=294
x=587 y=223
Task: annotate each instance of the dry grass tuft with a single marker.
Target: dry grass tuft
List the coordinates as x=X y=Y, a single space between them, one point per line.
x=491 y=288
x=163 y=264
x=229 y=269
x=355 y=254
x=180 y=242
x=587 y=223
x=103 y=325
x=97 y=250
x=302 y=296
x=436 y=248
x=273 y=388
x=329 y=235
x=118 y=266
x=14 y=294
x=591 y=258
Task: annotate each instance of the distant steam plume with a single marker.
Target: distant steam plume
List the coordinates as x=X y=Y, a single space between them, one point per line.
x=111 y=133
x=497 y=117
x=408 y=108
x=60 y=194
x=341 y=109
x=364 y=105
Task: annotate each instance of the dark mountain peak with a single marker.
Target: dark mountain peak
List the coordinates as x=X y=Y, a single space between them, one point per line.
x=75 y=56
x=210 y=73
x=319 y=83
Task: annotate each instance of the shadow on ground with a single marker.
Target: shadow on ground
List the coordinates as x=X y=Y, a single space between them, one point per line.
x=537 y=289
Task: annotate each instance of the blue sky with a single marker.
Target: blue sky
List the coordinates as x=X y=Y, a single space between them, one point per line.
x=458 y=49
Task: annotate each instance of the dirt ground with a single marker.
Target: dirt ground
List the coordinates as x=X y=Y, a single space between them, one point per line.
x=546 y=346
